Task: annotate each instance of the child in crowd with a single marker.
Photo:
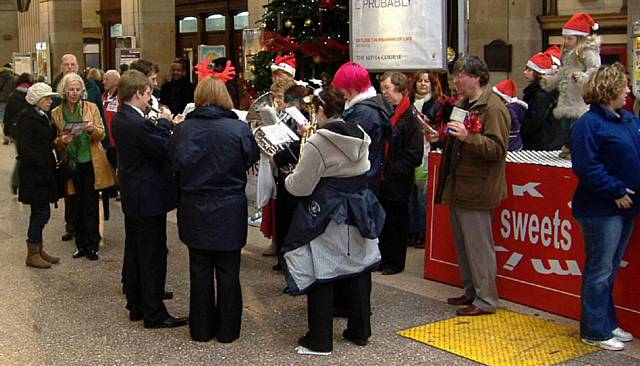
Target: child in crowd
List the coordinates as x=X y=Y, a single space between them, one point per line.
x=581 y=57
x=517 y=108
x=540 y=130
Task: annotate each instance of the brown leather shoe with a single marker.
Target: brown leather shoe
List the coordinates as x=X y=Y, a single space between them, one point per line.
x=460 y=300
x=471 y=310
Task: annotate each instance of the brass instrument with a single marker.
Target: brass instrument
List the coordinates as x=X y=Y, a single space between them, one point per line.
x=312 y=121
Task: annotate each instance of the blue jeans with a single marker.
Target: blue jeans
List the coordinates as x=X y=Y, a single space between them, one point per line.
x=40 y=215
x=605 y=241
x=418 y=210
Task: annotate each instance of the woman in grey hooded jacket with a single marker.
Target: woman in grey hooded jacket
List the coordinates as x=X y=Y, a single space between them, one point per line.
x=333 y=236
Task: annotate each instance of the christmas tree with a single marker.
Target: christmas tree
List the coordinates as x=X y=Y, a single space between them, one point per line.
x=316 y=31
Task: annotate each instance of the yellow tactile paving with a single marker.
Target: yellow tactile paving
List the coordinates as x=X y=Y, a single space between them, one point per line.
x=503 y=339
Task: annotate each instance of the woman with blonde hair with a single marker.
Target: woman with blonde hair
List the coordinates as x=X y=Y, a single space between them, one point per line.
x=79 y=141
x=581 y=57
x=606 y=158
x=210 y=152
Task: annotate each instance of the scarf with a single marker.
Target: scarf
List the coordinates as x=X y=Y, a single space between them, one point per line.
x=420 y=100
x=404 y=106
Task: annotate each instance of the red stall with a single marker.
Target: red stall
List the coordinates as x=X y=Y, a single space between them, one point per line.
x=539 y=246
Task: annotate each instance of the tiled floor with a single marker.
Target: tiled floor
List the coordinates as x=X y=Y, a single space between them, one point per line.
x=73 y=314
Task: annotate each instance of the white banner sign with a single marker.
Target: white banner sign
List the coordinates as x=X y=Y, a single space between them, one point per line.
x=398 y=34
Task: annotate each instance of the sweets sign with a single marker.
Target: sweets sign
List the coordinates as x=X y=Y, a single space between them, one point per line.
x=538 y=244
x=398 y=34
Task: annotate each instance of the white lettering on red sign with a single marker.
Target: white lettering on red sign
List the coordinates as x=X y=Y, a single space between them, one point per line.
x=530 y=188
x=529 y=228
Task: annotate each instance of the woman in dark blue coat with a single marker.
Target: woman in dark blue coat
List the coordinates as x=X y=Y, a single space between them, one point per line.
x=605 y=150
x=211 y=151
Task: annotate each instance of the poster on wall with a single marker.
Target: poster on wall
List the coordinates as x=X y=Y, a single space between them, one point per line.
x=636 y=68
x=252 y=43
x=127 y=55
x=22 y=62
x=211 y=52
x=398 y=35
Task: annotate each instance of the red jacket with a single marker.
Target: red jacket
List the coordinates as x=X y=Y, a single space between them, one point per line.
x=112 y=105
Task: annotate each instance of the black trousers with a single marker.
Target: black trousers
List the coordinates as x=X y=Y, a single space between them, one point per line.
x=320 y=310
x=215 y=313
x=70 y=212
x=393 y=240
x=285 y=206
x=87 y=215
x=145 y=263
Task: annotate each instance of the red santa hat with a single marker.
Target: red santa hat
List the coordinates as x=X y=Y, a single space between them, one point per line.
x=541 y=62
x=286 y=64
x=581 y=24
x=556 y=54
x=507 y=90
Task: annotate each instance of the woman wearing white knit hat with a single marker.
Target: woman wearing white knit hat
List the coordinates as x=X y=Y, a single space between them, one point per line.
x=35 y=135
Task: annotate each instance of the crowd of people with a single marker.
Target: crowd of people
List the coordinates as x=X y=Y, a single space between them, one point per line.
x=344 y=198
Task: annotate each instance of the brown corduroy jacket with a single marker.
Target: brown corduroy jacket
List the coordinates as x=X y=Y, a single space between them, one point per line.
x=472 y=173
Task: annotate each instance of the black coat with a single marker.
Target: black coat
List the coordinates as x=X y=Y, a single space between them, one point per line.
x=37 y=170
x=211 y=152
x=540 y=129
x=430 y=110
x=17 y=103
x=175 y=94
x=406 y=149
x=145 y=178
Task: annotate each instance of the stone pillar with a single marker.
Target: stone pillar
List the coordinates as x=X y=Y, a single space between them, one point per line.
x=153 y=24
x=8 y=30
x=256 y=11
x=633 y=13
x=61 y=25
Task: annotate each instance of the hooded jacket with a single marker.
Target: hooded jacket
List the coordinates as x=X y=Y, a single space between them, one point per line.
x=570 y=102
x=373 y=114
x=335 y=227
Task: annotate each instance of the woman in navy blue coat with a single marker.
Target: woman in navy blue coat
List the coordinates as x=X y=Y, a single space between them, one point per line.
x=211 y=151
x=605 y=150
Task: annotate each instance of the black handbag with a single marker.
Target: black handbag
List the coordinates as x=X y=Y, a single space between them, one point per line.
x=67 y=169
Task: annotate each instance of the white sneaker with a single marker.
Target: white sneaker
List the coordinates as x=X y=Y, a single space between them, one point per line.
x=611 y=344
x=255 y=220
x=302 y=350
x=621 y=335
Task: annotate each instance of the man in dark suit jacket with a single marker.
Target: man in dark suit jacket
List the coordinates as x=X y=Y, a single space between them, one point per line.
x=148 y=192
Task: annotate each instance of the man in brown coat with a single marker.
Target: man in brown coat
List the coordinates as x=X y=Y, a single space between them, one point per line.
x=472 y=182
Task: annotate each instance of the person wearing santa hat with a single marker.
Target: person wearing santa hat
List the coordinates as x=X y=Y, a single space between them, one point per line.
x=555 y=52
x=282 y=69
x=540 y=130
x=507 y=90
x=581 y=57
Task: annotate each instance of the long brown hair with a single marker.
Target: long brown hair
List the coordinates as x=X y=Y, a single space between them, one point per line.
x=436 y=87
